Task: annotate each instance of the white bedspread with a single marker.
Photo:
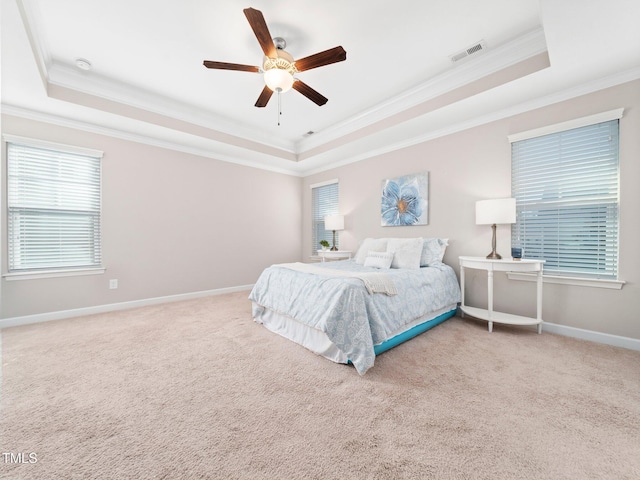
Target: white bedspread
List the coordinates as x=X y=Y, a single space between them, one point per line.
x=340 y=306
x=375 y=282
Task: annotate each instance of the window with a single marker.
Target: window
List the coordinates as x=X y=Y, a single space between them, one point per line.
x=324 y=201
x=566 y=189
x=53 y=207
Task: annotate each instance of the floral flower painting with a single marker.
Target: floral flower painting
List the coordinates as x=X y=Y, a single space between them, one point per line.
x=405 y=200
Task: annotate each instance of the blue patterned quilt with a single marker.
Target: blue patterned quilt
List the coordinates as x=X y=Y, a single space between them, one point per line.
x=353 y=319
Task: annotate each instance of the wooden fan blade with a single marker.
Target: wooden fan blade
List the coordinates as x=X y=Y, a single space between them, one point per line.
x=264 y=97
x=261 y=31
x=310 y=93
x=230 y=66
x=333 y=55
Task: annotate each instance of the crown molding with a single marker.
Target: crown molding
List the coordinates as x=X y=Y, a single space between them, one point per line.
x=214 y=150
x=335 y=158
x=41 y=55
x=66 y=76
x=491 y=61
x=331 y=160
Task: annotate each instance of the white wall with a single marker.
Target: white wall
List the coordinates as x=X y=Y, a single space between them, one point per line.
x=476 y=164
x=173 y=223
x=177 y=223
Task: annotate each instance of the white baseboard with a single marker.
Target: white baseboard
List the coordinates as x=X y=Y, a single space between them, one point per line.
x=78 y=312
x=598 y=337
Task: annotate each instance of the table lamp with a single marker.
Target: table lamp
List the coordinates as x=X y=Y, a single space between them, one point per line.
x=494 y=212
x=334 y=222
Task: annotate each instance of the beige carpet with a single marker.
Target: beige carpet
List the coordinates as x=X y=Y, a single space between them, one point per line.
x=196 y=390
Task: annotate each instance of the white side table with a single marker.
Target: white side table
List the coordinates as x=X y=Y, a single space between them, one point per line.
x=504 y=265
x=334 y=254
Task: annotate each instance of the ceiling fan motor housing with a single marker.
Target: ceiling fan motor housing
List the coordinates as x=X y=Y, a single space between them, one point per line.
x=284 y=61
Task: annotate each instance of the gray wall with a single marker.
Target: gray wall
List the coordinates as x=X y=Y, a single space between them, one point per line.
x=173 y=223
x=476 y=164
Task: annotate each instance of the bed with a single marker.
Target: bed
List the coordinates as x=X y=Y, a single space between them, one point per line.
x=349 y=311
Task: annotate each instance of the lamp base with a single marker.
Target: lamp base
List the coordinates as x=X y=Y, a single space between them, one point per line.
x=493 y=255
x=334 y=248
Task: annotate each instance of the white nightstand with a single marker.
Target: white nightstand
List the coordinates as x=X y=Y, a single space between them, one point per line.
x=504 y=265
x=334 y=254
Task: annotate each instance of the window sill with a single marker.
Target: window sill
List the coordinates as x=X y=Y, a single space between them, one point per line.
x=581 y=282
x=52 y=274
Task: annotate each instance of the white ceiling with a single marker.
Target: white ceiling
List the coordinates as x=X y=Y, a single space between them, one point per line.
x=397 y=87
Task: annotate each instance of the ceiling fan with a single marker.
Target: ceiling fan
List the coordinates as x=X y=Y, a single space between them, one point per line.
x=278 y=66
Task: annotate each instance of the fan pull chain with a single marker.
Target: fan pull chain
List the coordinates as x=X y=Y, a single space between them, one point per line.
x=279 y=107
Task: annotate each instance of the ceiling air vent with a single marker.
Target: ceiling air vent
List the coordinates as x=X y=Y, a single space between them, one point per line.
x=472 y=50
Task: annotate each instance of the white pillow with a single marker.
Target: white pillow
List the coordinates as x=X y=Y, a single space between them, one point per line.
x=406 y=252
x=433 y=251
x=378 y=259
x=444 y=243
x=370 y=245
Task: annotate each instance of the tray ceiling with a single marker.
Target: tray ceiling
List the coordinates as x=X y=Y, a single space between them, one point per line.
x=397 y=87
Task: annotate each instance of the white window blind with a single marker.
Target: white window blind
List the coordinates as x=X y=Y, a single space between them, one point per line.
x=53 y=209
x=566 y=190
x=324 y=201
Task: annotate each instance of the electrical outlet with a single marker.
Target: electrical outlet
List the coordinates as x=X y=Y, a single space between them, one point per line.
x=113 y=283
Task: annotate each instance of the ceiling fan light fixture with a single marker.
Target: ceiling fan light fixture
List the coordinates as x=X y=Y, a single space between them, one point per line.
x=278 y=79
x=279 y=71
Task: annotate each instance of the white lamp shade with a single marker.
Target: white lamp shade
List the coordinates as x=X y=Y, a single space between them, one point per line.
x=276 y=78
x=334 y=222
x=498 y=211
